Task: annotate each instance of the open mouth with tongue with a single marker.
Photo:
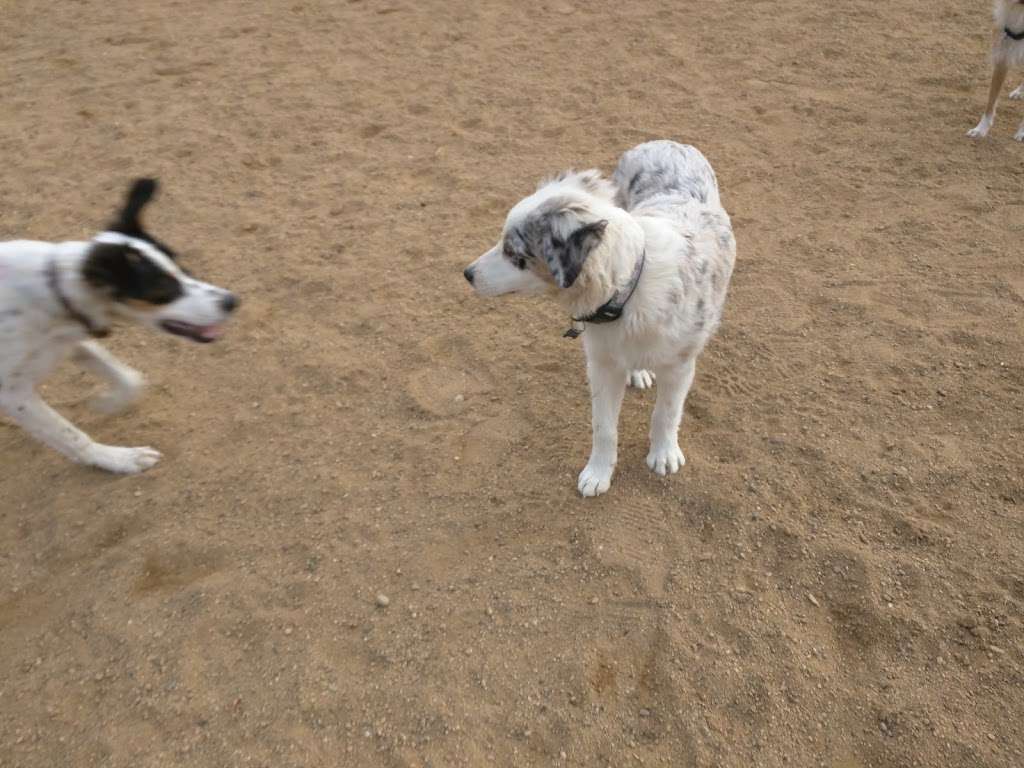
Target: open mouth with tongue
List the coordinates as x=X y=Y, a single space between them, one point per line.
x=204 y=334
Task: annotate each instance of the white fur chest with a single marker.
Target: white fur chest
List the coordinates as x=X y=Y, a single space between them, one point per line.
x=644 y=348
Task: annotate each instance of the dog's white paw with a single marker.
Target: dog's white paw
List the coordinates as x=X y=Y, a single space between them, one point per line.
x=1017 y=93
x=666 y=460
x=641 y=379
x=981 y=130
x=1019 y=135
x=123 y=461
x=595 y=479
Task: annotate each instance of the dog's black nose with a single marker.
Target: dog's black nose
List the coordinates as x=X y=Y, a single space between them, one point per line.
x=229 y=303
x=468 y=274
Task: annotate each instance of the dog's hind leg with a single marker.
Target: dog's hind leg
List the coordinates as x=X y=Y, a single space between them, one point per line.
x=607 y=388
x=673 y=385
x=45 y=424
x=641 y=379
x=999 y=70
x=1018 y=92
x=126 y=384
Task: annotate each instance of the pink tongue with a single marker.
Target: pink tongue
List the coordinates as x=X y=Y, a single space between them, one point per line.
x=212 y=331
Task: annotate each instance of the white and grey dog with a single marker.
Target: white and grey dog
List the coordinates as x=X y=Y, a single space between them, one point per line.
x=1007 y=52
x=644 y=262
x=57 y=298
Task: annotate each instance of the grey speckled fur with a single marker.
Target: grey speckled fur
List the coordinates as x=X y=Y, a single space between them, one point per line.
x=662 y=173
x=582 y=239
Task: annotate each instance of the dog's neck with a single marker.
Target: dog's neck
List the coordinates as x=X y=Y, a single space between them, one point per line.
x=1010 y=16
x=608 y=269
x=73 y=299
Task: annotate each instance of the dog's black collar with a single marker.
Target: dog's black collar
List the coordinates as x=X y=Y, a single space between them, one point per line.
x=1014 y=35
x=612 y=309
x=53 y=280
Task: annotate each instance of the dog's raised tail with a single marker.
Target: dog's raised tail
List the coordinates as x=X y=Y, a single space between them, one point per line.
x=664 y=168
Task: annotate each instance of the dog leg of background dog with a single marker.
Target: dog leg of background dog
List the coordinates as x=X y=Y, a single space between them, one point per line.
x=641 y=379
x=1018 y=94
x=26 y=408
x=999 y=70
x=673 y=385
x=126 y=384
x=607 y=388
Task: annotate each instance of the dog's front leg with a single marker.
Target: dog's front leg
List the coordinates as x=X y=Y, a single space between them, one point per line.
x=607 y=387
x=981 y=130
x=673 y=385
x=126 y=384
x=45 y=424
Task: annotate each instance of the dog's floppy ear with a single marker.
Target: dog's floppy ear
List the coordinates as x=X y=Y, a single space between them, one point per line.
x=142 y=192
x=565 y=257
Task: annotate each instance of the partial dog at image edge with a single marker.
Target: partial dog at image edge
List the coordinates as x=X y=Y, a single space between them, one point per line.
x=1007 y=52
x=644 y=262
x=56 y=299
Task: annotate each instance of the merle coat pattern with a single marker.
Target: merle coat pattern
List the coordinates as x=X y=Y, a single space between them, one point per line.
x=580 y=237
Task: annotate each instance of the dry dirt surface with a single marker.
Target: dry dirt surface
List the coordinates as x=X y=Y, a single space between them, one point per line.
x=835 y=579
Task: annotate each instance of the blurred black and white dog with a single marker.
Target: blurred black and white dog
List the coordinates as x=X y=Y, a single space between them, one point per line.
x=1007 y=52
x=58 y=298
x=644 y=263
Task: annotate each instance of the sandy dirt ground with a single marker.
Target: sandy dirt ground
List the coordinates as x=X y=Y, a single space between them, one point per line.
x=835 y=579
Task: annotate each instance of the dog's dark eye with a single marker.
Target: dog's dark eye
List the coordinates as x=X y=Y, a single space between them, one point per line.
x=517 y=259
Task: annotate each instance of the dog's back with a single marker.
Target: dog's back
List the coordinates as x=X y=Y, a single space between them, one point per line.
x=661 y=172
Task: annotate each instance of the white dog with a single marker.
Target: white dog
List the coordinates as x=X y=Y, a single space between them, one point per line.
x=644 y=263
x=1007 y=51
x=55 y=296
